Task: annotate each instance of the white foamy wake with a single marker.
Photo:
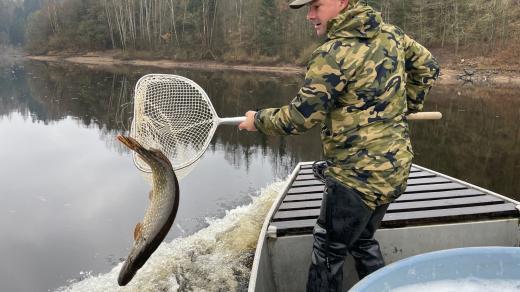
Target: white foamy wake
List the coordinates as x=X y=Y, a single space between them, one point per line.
x=216 y=258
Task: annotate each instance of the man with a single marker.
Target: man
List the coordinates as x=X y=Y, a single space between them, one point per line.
x=360 y=84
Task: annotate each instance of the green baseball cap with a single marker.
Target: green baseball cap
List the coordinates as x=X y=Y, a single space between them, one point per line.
x=299 y=3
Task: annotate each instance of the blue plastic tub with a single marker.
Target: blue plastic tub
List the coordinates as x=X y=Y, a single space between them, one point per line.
x=489 y=263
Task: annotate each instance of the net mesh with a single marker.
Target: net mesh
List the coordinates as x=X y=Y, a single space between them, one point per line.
x=172 y=114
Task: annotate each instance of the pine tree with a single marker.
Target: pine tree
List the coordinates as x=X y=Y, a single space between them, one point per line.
x=269 y=28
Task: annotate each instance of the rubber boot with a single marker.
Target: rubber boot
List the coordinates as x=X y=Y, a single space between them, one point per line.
x=344 y=222
x=365 y=251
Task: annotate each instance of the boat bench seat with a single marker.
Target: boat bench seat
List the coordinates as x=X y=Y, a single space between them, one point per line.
x=429 y=198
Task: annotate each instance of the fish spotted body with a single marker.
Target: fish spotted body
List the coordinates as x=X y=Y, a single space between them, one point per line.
x=160 y=214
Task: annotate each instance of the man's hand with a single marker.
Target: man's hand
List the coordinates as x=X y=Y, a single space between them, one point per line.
x=249 y=123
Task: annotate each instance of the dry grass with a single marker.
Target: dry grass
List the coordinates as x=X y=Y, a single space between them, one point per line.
x=501 y=58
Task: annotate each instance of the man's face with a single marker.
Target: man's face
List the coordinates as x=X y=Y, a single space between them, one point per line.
x=321 y=11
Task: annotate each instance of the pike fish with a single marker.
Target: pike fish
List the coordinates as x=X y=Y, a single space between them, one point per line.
x=161 y=211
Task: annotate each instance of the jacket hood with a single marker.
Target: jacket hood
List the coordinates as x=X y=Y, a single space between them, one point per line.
x=358 y=20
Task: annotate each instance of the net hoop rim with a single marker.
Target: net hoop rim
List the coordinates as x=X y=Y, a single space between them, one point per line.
x=216 y=120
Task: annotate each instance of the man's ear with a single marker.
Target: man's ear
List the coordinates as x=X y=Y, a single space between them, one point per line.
x=343 y=4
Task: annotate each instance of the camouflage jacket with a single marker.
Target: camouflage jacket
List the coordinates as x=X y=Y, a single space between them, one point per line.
x=359 y=85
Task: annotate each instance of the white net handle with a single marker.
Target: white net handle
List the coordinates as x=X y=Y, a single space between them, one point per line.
x=174 y=115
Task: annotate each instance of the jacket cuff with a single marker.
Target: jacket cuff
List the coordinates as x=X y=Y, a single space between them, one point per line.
x=258 y=122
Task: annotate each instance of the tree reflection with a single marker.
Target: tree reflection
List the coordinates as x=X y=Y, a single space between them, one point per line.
x=478 y=138
x=104 y=99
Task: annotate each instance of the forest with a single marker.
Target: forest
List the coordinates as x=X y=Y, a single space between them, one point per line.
x=242 y=31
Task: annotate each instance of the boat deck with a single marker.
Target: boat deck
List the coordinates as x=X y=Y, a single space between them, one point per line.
x=430 y=198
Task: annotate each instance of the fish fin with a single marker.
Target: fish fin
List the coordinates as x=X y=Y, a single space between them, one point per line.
x=137 y=231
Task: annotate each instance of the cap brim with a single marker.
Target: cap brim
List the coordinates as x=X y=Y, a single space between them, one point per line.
x=299 y=3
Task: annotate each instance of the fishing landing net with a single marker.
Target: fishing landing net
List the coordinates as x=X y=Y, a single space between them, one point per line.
x=174 y=115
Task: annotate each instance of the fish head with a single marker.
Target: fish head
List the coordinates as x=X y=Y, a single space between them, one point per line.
x=135 y=260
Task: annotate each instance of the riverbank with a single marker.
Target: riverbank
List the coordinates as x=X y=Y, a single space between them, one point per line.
x=108 y=60
x=462 y=72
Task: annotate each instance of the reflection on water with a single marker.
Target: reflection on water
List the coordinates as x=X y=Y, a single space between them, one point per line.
x=478 y=139
x=70 y=195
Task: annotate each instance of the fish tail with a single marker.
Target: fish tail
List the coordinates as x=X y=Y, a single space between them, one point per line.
x=129 y=142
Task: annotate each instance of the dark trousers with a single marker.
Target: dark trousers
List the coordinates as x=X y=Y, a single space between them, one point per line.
x=345 y=224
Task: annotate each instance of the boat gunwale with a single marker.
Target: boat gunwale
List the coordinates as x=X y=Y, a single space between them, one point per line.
x=267 y=221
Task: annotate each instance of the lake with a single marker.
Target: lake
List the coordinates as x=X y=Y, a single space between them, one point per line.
x=70 y=194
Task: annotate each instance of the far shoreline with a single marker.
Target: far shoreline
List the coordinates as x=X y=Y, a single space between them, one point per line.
x=168 y=64
x=448 y=76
